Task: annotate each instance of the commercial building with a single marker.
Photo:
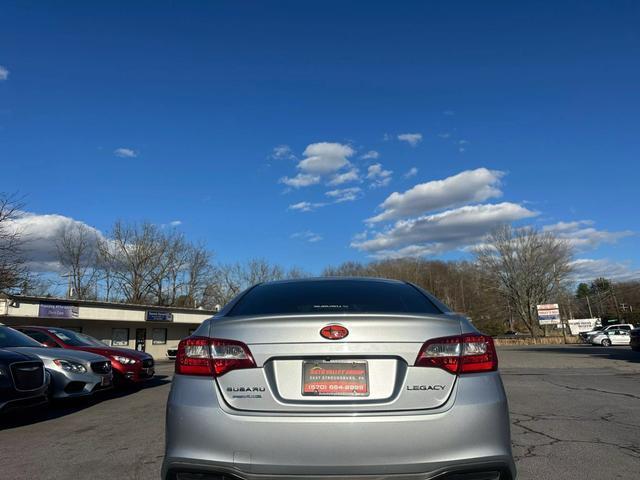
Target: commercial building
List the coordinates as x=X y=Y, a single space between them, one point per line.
x=148 y=328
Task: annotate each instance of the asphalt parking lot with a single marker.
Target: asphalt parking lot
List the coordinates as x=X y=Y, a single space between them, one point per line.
x=575 y=411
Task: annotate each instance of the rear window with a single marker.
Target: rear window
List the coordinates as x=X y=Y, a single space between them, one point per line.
x=326 y=296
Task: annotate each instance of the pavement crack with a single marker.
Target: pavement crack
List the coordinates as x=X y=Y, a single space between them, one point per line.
x=591 y=389
x=631 y=450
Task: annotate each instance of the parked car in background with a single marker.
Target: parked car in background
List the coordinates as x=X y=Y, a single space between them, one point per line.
x=172 y=352
x=337 y=378
x=615 y=336
x=587 y=336
x=74 y=373
x=634 y=339
x=23 y=379
x=128 y=365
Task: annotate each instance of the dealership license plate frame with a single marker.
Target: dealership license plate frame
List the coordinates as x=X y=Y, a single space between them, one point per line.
x=333 y=386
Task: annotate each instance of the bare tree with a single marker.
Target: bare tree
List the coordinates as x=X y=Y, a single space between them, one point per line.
x=198 y=273
x=13 y=271
x=104 y=270
x=228 y=280
x=526 y=267
x=77 y=254
x=134 y=255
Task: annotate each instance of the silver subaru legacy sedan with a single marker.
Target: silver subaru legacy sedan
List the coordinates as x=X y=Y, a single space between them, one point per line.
x=337 y=378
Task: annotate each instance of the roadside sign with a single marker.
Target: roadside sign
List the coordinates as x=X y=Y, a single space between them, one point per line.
x=548 y=314
x=579 y=325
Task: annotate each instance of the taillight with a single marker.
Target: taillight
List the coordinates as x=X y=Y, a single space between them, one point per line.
x=211 y=356
x=459 y=354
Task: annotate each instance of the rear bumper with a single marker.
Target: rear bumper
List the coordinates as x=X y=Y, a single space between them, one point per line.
x=479 y=471
x=470 y=433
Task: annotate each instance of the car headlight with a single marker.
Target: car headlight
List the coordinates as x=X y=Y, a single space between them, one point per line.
x=124 y=360
x=70 y=366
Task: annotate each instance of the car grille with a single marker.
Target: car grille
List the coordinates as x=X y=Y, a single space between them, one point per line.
x=172 y=352
x=27 y=375
x=101 y=367
x=147 y=363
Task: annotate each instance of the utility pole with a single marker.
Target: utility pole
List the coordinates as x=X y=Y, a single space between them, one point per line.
x=589 y=305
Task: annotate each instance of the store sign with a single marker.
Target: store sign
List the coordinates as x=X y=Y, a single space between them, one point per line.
x=157 y=316
x=55 y=310
x=580 y=325
x=548 y=314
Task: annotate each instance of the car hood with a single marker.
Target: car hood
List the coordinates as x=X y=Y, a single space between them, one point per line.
x=60 y=353
x=9 y=356
x=110 y=351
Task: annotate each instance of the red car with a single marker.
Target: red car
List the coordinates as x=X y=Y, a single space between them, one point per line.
x=128 y=365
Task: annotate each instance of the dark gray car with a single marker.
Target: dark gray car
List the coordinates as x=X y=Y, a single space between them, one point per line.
x=337 y=379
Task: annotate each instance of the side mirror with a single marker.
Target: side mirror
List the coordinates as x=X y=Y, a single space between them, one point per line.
x=50 y=344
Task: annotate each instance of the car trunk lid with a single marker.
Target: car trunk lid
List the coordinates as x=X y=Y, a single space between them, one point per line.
x=370 y=369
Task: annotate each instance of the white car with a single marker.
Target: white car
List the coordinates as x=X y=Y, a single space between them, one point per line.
x=588 y=337
x=612 y=336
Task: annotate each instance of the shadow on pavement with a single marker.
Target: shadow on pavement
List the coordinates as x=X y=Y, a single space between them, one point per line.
x=61 y=408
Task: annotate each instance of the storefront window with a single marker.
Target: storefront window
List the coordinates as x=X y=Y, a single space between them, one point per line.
x=120 y=337
x=159 y=336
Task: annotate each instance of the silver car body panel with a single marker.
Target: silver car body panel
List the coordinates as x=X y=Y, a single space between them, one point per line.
x=416 y=423
x=61 y=378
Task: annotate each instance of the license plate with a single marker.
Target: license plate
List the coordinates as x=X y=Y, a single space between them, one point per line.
x=331 y=379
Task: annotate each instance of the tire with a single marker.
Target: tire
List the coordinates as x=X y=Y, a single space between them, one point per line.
x=606 y=342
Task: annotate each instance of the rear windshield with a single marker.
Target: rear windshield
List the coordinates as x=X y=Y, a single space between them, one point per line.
x=326 y=296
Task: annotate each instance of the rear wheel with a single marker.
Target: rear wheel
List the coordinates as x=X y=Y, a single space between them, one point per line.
x=606 y=342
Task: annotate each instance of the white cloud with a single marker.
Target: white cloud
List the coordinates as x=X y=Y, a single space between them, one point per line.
x=175 y=223
x=308 y=236
x=321 y=160
x=125 y=153
x=378 y=176
x=412 y=172
x=412 y=139
x=282 y=152
x=442 y=232
x=344 y=194
x=4 y=73
x=305 y=206
x=468 y=186
x=444 y=135
x=588 y=269
x=352 y=175
x=324 y=158
x=370 y=155
x=301 y=180
x=40 y=234
x=582 y=235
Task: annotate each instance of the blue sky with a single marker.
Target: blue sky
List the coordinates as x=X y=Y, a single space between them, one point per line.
x=201 y=113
